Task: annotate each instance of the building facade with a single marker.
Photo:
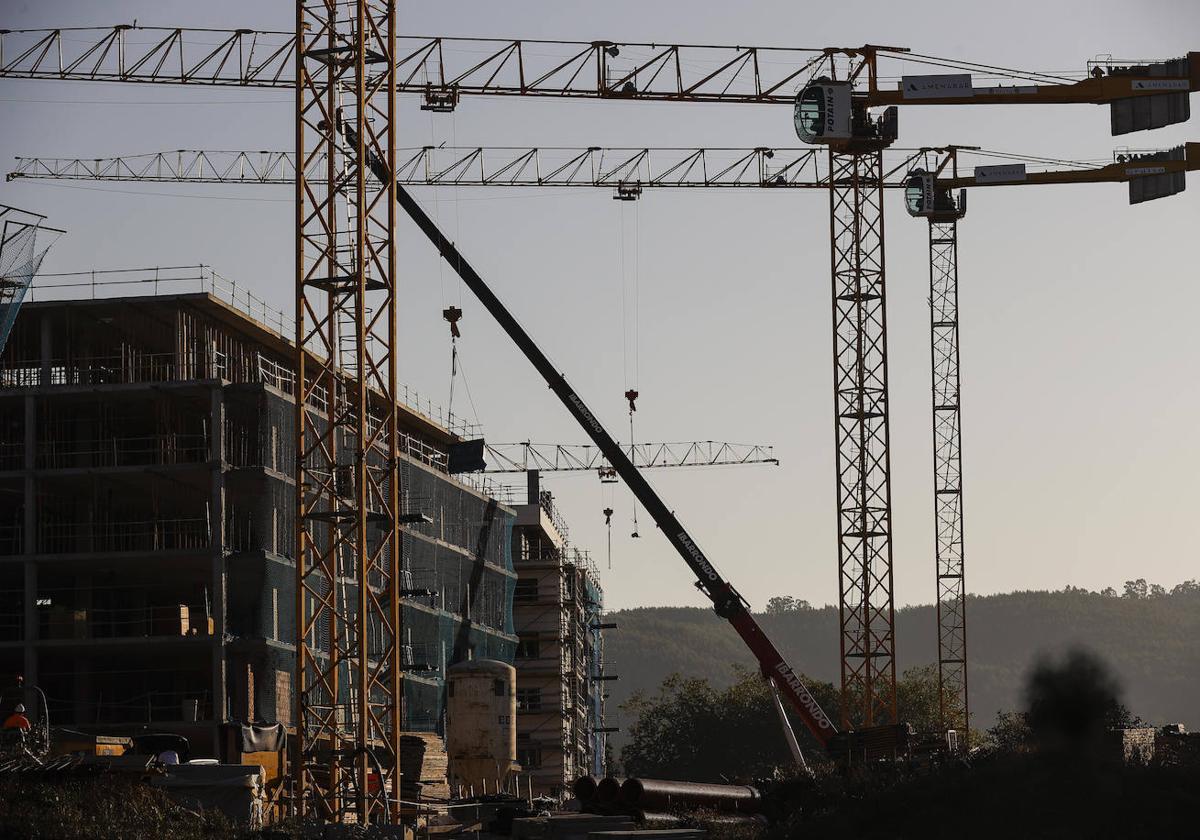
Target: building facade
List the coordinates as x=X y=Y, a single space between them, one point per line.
x=557 y=608
x=147 y=526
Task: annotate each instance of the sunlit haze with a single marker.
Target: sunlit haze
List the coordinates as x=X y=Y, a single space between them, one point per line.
x=1078 y=311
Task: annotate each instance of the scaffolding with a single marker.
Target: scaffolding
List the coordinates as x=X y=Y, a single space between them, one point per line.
x=557 y=607
x=24 y=241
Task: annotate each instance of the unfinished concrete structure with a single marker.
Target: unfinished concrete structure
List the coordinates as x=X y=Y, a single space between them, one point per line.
x=147 y=523
x=557 y=609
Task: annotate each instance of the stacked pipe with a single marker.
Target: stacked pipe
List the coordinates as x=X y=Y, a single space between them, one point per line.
x=657 y=801
x=608 y=791
x=665 y=795
x=585 y=788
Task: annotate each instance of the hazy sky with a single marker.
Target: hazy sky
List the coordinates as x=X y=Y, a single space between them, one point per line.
x=1078 y=312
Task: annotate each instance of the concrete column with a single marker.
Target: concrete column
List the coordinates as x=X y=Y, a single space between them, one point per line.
x=29 y=596
x=216 y=514
x=533 y=488
x=47 y=348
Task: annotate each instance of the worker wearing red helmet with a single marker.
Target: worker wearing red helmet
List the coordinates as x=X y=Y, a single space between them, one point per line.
x=17 y=719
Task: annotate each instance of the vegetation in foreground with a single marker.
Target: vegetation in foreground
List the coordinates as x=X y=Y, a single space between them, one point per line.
x=1048 y=770
x=105 y=807
x=1147 y=632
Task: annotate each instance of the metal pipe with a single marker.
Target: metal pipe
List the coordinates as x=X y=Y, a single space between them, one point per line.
x=608 y=790
x=654 y=820
x=585 y=788
x=663 y=795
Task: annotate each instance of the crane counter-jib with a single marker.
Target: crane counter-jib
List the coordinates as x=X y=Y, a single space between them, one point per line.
x=1183 y=159
x=1178 y=76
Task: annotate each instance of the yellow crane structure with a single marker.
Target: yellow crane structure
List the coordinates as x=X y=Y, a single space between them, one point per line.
x=834 y=109
x=347 y=64
x=629 y=173
x=930 y=194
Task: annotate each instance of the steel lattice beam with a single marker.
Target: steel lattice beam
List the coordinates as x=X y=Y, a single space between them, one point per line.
x=614 y=168
x=558 y=457
x=441 y=69
x=233 y=57
x=348 y=548
x=868 y=664
x=22 y=248
x=947 y=476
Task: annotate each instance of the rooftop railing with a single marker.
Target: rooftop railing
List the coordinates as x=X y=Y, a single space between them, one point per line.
x=143 y=367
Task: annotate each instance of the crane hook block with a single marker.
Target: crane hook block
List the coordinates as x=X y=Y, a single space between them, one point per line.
x=608 y=512
x=632 y=396
x=453 y=314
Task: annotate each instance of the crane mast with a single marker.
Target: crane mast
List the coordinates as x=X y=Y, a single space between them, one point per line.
x=930 y=194
x=348 y=564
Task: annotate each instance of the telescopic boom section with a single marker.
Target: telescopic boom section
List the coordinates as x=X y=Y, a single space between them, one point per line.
x=725 y=599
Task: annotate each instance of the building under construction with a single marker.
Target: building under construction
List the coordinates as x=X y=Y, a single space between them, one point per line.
x=560 y=654
x=147 y=532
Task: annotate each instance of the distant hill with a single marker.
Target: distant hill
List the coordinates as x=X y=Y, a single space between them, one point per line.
x=1152 y=641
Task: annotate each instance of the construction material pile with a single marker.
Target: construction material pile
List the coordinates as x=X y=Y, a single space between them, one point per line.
x=595 y=827
x=423 y=766
x=662 y=804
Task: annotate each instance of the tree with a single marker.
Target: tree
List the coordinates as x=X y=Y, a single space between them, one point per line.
x=1070 y=703
x=1010 y=733
x=917 y=698
x=689 y=730
x=1108 y=592
x=1188 y=587
x=1136 y=588
x=781 y=604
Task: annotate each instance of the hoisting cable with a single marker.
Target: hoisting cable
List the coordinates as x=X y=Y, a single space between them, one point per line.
x=452 y=314
x=630 y=294
x=608 y=514
x=632 y=396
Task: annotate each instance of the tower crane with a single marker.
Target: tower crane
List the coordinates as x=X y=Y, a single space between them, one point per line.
x=332 y=52
x=834 y=110
x=929 y=194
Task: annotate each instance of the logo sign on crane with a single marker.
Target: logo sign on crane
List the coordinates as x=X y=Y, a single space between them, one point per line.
x=1159 y=84
x=1141 y=171
x=1006 y=173
x=837 y=113
x=937 y=87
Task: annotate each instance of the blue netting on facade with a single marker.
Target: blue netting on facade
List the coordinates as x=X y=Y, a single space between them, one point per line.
x=462 y=558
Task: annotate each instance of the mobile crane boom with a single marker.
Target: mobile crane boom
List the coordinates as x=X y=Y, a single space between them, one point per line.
x=725 y=599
